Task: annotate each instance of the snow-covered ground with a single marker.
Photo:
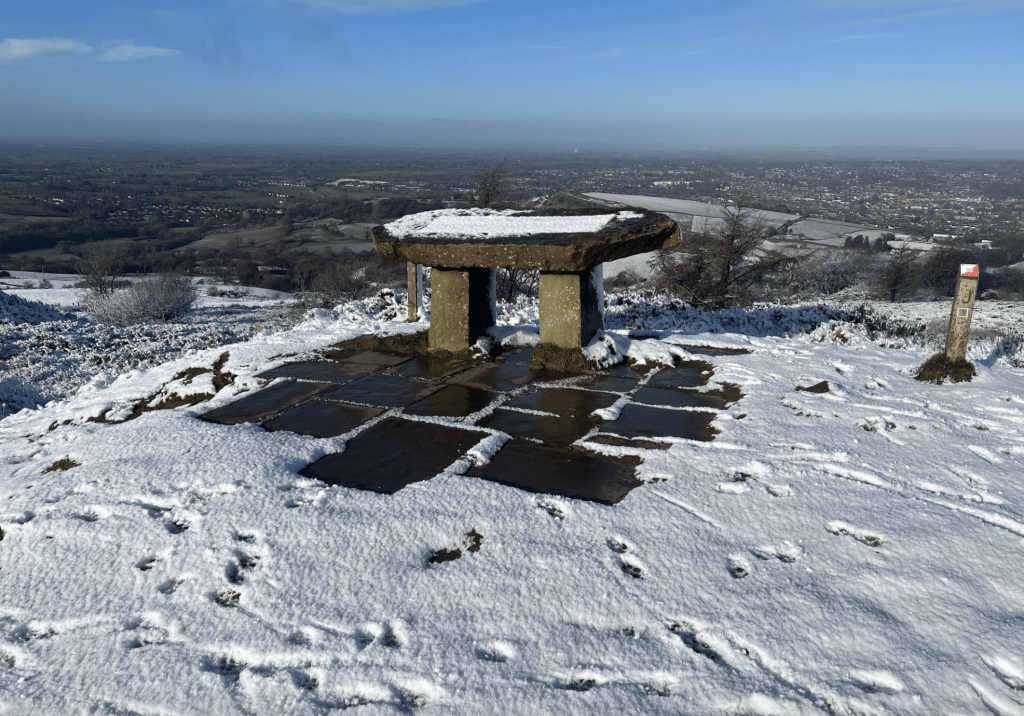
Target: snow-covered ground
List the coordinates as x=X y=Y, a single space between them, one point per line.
x=48 y=351
x=857 y=551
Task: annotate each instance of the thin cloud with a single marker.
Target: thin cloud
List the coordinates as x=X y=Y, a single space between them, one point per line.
x=130 y=51
x=15 y=49
x=383 y=7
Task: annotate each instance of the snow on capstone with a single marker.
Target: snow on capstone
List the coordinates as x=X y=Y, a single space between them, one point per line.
x=494 y=224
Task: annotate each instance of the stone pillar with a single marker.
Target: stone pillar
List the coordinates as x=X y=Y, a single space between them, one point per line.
x=414 y=273
x=569 y=311
x=462 y=307
x=963 y=309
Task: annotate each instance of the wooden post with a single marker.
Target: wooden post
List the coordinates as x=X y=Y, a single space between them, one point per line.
x=963 y=309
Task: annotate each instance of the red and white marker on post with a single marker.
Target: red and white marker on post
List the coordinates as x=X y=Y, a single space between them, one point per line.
x=963 y=309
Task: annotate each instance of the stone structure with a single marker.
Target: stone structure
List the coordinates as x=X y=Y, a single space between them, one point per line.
x=464 y=247
x=963 y=309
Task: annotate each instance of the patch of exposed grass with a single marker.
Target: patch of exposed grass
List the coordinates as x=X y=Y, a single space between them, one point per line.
x=62 y=464
x=939 y=368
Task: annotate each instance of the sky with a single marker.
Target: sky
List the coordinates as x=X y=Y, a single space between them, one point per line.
x=689 y=75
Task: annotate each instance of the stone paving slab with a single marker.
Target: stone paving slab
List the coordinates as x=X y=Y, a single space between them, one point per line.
x=642 y=421
x=511 y=374
x=322 y=419
x=557 y=471
x=387 y=391
x=429 y=367
x=263 y=404
x=565 y=402
x=453 y=401
x=676 y=398
x=324 y=371
x=569 y=421
x=686 y=375
x=392 y=454
x=352 y=387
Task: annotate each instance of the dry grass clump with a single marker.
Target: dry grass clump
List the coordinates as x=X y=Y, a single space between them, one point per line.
x=939 y=368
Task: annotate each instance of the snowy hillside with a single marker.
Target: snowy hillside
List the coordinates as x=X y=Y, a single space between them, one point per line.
x=852 y=549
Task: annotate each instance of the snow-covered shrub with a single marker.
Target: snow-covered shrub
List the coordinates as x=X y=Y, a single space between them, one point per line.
x=826 y=272
x=155 y=299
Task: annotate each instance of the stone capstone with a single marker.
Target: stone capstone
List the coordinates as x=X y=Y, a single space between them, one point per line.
x=570 y=252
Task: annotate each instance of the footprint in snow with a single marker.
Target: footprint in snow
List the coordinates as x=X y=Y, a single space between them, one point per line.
x=628 y=563
x=147 y=563
x=241 y=569
x=496 y=650
x=869 y=538
x=698 y=641
x=739 y=566
x=393 y=635
x=784 y=552
x=227 y=597
x=94 y=513
x=171 y=585
x=558 y=509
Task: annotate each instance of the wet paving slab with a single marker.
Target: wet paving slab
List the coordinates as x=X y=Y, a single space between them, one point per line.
x=370 y=360
x=557 y=471
x=688 y=374
x=505 y=376
x=548 y=423
x=322 y=371
x=392 y=454
x=429 y=368
x=620 y=379
x=387 y=391
x=643 y=421
x=567 y=421
x=322 y=419
x=677 y=398
x=453 y=401
x=258 y=406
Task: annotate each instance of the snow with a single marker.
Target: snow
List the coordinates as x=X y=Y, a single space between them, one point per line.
x=494 y=224
x=851 y=552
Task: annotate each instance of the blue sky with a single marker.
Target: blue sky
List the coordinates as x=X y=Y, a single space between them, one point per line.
x=686 y=74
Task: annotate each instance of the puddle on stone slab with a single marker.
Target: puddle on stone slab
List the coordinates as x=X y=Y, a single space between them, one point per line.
x=617 y=379
x=258 y=406
x=689 y=374
x=453 y=401
x=572 y=408
x=503 y=376
x=429 y=367
x=555 y=471
x=321 y=419
x=642 y=421
x=388 y=391
x=677 y=398
x=392 y=454
x=323 y=371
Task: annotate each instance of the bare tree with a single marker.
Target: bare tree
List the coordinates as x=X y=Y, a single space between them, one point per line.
x=721 y=265
x=516 y=282
x=100 y=271
x=491 y=186
x=899 y=275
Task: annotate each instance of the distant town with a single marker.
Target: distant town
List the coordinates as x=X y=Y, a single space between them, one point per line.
x=54 y=200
